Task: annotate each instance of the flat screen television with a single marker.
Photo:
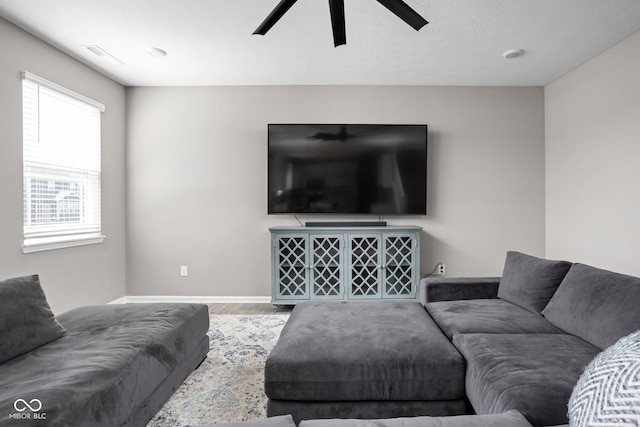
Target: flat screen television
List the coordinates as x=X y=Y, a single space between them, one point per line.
x=347 y=169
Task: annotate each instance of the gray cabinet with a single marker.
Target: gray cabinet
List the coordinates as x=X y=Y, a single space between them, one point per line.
x=344 y=263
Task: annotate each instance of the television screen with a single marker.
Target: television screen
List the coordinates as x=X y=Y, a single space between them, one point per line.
x=347 y=169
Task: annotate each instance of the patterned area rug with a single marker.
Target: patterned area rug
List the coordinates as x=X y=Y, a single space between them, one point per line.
x=228 y=386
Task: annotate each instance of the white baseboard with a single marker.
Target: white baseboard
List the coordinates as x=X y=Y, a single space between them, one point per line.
x=191 y=299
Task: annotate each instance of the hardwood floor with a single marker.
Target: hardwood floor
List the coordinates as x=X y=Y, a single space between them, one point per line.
x=247 y=309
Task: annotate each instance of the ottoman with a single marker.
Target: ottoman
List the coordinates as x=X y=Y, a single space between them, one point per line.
x=363 y=359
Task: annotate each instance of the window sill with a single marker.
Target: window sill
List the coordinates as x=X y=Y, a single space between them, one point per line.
x=51 y=243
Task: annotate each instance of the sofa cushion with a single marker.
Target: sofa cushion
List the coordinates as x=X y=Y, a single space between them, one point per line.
x=507 y=419
x=492 y=316
x=530 y=282
x=26 y=318
x=531 y=373
x=108 y=364
x=608 y=392
x=597 y=305
x=363 y=350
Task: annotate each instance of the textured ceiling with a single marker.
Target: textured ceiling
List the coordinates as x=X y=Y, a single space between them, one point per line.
x=210 y=42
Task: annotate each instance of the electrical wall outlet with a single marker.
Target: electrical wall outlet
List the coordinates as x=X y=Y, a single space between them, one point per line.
x=440 y=269
x=183 y=271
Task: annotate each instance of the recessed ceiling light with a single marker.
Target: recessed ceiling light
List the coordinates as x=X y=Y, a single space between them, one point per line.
x=156 y=51
x=513 y=53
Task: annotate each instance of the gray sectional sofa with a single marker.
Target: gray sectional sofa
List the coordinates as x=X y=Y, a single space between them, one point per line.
x=517 y=344
x=528 y=339
x=109 y=365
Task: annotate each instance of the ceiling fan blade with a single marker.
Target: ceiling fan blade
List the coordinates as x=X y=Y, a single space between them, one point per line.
x=275 y=15
x=337 y=22
x=404 y=12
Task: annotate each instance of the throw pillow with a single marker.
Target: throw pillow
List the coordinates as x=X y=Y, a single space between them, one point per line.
x=608 y=392
x=530 y=282
x=26 y=320
x=596 y=305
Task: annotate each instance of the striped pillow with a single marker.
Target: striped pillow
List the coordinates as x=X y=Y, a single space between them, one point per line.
x=608 y=392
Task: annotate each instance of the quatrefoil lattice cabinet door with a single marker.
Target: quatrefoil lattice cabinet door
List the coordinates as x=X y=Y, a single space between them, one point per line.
x=327 y=273
x=292 y=266
x=382 y=266
x=400 y=271
x=365 y=268
x=309 y=266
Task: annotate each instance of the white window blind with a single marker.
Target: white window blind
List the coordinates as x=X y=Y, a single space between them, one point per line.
x=61 y=166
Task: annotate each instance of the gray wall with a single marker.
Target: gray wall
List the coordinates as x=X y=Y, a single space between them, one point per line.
x=197 y=168
x=593 y=161
x=83 y=275
x=552 y=172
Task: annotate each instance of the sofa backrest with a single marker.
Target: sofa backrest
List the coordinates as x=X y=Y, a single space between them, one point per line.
x=596 y=305
x=530 y=282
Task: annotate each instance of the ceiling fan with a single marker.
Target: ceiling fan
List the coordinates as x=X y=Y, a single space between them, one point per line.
x=336 y=8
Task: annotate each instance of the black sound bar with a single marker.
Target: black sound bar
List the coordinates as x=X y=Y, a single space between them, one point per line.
x=346 y=224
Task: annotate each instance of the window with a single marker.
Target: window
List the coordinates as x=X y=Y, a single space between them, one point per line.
x=61 y=166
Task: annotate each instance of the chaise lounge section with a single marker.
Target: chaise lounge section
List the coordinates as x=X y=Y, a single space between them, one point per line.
x=109 y=365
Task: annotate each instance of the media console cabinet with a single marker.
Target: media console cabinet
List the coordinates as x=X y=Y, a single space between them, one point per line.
x=344 y=263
